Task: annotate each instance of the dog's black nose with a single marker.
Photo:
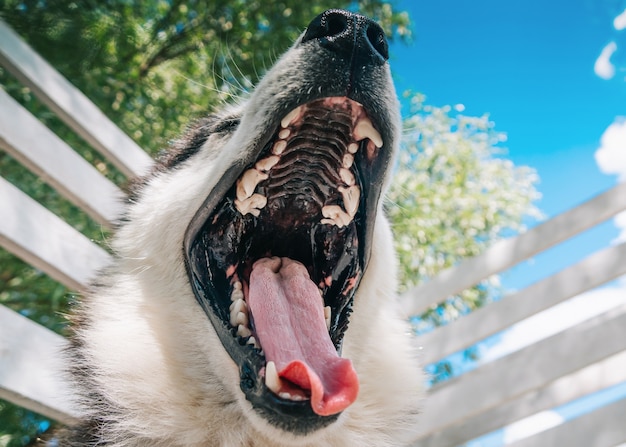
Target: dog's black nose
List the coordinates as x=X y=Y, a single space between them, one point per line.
x=351 y=35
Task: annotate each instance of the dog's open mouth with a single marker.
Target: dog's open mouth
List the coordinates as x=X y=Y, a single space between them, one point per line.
x=277 y=259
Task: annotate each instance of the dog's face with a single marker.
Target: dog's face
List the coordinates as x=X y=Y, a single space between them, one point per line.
x=276 y=252
x=277 y=199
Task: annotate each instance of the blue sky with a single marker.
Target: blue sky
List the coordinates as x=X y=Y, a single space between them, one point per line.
x=530 y=66
x=552 y=76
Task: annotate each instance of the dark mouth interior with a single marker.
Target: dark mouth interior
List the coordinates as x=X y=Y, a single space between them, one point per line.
x=304 y=199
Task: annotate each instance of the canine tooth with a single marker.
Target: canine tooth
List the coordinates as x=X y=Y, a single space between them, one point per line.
x=248 y=183
x=279 y=147
x=346 y=176
x=327 y=315
x=353 y=148
x=267 y=163
x=351 y=197
x=243 y=331
x=272 y=381
x=291 y=116
x=336 y=215
x=284 y=134
x=365 y=129
x=348 y=159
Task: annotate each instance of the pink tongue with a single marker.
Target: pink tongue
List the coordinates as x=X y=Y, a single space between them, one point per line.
x=288 y=314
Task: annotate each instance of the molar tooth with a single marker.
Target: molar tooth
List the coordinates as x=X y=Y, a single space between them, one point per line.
x=365 y=129
x=353 y=148
x=284 y=133
x=335 y=215
x=272 y=381
x=348 y=159
x=239 y=306
x=351 y=197
x=237 y=294
x=248 y=183
x=241 y=319
x=243 y=331
x=346 y=176
x=279 y=147
x=252 y=205
x=252 y=341
x=267 y=163
x=291 y=116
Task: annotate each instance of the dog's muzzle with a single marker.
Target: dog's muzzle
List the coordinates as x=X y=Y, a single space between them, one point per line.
x=277 y=251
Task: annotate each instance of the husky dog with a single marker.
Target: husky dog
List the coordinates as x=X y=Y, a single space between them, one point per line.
x=252 y=297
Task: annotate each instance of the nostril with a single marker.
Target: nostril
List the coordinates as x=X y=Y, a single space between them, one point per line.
x=378 y=40
x=336 y=24
x=327 y=25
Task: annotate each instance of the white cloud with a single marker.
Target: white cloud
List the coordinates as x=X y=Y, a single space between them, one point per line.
x=611 y=156
x=620 y=21
x=603 y=66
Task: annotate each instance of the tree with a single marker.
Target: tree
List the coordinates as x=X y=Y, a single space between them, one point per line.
x=453 y=195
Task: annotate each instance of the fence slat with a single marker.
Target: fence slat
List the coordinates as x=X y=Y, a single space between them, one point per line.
x=30 y=367
x=596 y=269
x=590 y=379
x=605 y=427
x=509 y=252
x=33 y=233
x=70 y=104
x=56 y=163
x=527 y=370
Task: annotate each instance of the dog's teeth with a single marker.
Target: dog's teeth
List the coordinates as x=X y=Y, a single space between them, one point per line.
x=284 y=134
x=252 y=341
x=239 y=306
x=279 y=147
x=243 y=331
x=346 y=176
x=291 y=116
x=353 y=148
x=327 y=315
x=348 y=159
x=267 y=163
x=248 y=183
x=236 y=295
x=289 y=396
x=251 y=205
x=241 y=319
x=237 y=285
x=351 y=197
x=272 y=381
x=335 y=215
x=365 y=129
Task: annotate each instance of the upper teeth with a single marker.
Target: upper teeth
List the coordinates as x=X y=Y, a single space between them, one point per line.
x=250 y=202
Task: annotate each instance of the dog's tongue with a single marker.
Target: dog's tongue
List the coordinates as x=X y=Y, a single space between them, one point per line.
x=288 y=314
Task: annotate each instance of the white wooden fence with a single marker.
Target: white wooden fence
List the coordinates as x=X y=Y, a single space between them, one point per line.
x=571 y=364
